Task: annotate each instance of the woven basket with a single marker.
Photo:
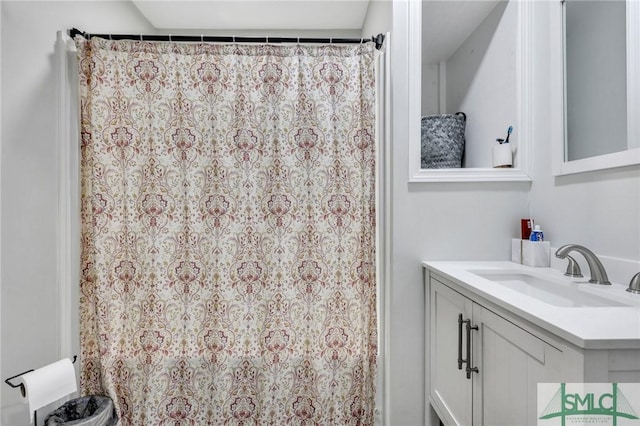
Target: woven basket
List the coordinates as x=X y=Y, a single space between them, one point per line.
x=442 y=141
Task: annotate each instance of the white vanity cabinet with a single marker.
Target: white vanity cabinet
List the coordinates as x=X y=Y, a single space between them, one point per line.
x=484 y=368
x=511 y=341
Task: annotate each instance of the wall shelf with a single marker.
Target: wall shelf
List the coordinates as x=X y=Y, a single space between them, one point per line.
x=523 y=87
x=470 y=175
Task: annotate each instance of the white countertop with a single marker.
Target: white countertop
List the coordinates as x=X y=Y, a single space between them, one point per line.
x=606 y=327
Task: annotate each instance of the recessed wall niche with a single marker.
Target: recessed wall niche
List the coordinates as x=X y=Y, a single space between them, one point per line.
x=472 y=60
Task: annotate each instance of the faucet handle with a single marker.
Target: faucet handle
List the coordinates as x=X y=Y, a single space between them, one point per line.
x=573 y=269
x=634 y=285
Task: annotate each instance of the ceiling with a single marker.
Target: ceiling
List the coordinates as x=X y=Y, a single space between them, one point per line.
x=445 y=23
x=255 y=14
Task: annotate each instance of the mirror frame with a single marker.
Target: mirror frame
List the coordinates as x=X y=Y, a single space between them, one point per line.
x=607 y=161
x=522 y=157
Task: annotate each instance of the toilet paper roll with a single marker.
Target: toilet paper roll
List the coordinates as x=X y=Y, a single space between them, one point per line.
x=48 y=384
x=502 y=155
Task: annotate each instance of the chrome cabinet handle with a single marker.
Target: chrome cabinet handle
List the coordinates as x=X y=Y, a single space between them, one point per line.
x=469 y=369
x=460 y=360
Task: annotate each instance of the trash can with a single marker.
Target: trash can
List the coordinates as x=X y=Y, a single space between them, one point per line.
x=92 y=410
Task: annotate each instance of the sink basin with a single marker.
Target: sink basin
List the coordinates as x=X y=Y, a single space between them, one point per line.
x=549 y=291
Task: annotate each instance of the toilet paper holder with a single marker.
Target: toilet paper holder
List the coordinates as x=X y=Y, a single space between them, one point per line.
x=21 y=385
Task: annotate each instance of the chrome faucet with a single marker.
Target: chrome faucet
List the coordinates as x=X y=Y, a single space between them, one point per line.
x=596 y=270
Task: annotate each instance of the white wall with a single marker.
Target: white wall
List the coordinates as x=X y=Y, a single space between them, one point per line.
x=30 y=317
x=378 y=18
x=481 y=82
x=431 y=88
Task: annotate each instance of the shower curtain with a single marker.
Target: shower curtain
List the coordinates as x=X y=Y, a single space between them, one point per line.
x=228 y=232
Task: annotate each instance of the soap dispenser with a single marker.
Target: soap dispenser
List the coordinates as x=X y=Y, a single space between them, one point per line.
x=536 y=234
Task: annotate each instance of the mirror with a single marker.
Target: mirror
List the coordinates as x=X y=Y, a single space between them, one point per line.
x=471 y=56
x=600 y=85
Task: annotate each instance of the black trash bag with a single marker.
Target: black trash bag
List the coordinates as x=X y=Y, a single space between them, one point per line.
x=92 y=410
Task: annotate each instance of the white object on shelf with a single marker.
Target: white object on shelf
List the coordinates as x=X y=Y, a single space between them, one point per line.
x=502 y=155
x=530 y=253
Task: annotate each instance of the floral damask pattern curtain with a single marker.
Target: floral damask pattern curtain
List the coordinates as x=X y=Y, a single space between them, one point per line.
x=228 y=232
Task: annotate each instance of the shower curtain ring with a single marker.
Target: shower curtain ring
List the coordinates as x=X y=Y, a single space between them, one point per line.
x=141 y=37
x=170 y=41
x=201 y=38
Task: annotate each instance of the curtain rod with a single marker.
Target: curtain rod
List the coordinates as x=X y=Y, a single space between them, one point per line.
x=378 y=39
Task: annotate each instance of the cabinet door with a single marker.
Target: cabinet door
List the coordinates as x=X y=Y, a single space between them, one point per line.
x=511 y=362
x=450 y=390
